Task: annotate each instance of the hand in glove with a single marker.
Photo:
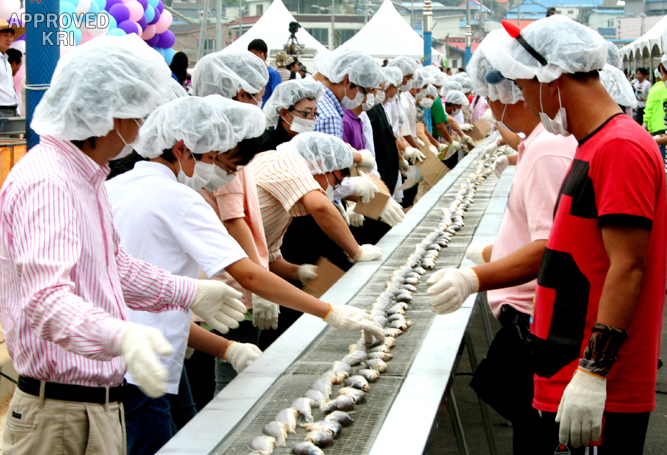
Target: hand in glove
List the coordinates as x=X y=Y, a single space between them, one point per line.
x=342 y=211
x=306 y=272
x=367 y=160
x=240 y=355
x=419 y=142
x=364 y=188
x=413 y=154
x=476 y=254
x=467 y=127
x=368 y=253
x=468 y=142
x=218 y=305
x=353 y=318
x=264 y=313
x=356 y=219
x=500 y=165
x=140 y=346
x=403 y=167
x=433 y=149
x=581 y=408
x=450 y=287
x=489 y=149
x=453 y=148
x=393 y=213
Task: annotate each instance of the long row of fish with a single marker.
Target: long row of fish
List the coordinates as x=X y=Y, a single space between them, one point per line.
x=389 y=311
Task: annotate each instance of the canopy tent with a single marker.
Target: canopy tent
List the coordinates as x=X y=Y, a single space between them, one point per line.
x=387 y=35
x=643 y=46
x=273 y=28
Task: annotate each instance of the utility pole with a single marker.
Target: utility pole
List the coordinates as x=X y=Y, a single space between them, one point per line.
x=365 y=11
x=481 y=19
x=202 y=31
x=240 y=32
x=468 y=34
x=518 y=13
x=428 y=29
x=218 y=25
x=333 y=33
x=447 y=50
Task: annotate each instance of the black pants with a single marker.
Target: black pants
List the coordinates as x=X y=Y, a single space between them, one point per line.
x=639 y=115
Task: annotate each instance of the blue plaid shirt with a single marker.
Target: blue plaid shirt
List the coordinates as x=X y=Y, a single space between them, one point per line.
x=331 y=113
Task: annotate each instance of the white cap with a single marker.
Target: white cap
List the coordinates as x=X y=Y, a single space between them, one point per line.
x=614 y=57
x=394 y=76
x=323 y=152
x=456 y=97
x=289 y=93
x=420 y=78
x=407 y=65
x=497 y=88
x=618 y=86
x=426 y=91
x=106 y=78
x=247 y=120
x=175 y=90
x=229 y=73
x=360 y=67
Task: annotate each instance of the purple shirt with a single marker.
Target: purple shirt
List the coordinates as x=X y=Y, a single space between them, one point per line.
x=353 y=132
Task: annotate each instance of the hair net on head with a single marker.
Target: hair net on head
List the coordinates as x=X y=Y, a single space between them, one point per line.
x=175 y=91
x=437 y=77
x=458 y=77
x=426 y=91
x=360 y=67
x=393 y=75
x=618 y=86
x=407 y=65
x=614 y=57
x=467 y=85
x=453 y=85
x=456 y=97
x=227 y=74
x=106 y=78
x=567 y=46
x=196 y=122
x=663 y=60
x=323 y=152
x=504 y=91
x=289 y=93
x=420 y=78
x=248 y=121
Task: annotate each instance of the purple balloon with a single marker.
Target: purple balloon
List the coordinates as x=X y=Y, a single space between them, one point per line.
x=111 y=3
x=153 y=41
x=142 y=23
x=129 y=27
x=167 y=39
x=156 y=18
x=120 y=12
x=160 y=6
x=21 y=38
x=143 y=3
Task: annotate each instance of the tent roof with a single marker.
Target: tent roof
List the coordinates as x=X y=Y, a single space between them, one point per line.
x=648 y=39
x=273 y=28
x=388 y=35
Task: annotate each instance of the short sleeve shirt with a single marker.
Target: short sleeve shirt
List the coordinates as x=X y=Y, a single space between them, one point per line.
x=438 y=115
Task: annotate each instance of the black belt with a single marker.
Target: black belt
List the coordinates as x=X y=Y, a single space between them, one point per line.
x=9 y=107
x=70 y=392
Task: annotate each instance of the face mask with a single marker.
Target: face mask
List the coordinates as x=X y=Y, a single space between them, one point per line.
x=426 y=103
x=127 y=148
x=557 y=125
x=201 y=176
x=219 y=179
x=379 y=97
x=500 y=122
x=329 y=192
x=301 y=125
x=406 y=87
x=350 y=104
x=456 y=112
x=370 y=102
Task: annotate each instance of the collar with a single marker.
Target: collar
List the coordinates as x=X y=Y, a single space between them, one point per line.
x=525 y=143
x=153 y=168
x=331 y=98
x=351 y=114
x=92 y=172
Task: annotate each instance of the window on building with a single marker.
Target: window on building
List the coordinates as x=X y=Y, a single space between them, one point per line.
x=610 y=23
x=346 y=35
x=209 y=45
x=260 y=10
x=570 y=11
x=320 y=34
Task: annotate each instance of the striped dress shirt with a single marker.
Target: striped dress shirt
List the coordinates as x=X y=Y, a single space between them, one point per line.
x=65 y=280
x=331 y=113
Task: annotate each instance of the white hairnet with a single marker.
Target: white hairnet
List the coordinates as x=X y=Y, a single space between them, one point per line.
x=504 y=91
x=663 y=60
x=360 y=67
x=456 y=97
x=420 y=78
x=467 y=85
x=407 y=65
x=618 y=86
x=175 y=91
x=614 y=57
x=324 y=152
x=247 y=120
x=196 y=122
x=227 y=74
x=453 y=85
x=567 y=46
x=393 y=75
x=106 y=78
x=458 y=77
x=426 y=91
x=287 y=94
x=437 y=77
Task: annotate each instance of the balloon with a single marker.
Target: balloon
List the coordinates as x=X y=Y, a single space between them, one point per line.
x=113 y=23
x=86 y=36
x=143 y=3
x=148 y=33
x=94 y=7
x=153 y=3
x=169 y=55
x=142 y=23
x=136 y=11
x=7 y=7
x=18 y=77
x=160 y=6
x=120 y=12
x=83 y=7
x=153 y=41
x=77 y=35
x=160 y=50
x=20 y=45
x=67 y=12
x=102 y=4
x=165 y=21
x=130 y=27
x=111 y=3
x=116 y=32
x=149 y=14
x=156 y=17
x=125 y=2
x=167 y=39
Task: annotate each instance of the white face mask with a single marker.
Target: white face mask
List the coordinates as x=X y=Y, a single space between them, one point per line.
x=406 y=87
x=426 y=103
x=557 y=125
x=370 y=102
x=301 y=125
x=350 y=104
x=456 y=112
x=500 y=122
x=379 y=97
x=127 y=148
x=219 y=179
x=329 y=192
x=201 y=176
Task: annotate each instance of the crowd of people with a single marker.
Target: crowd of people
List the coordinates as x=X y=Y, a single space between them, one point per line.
x=155 y=242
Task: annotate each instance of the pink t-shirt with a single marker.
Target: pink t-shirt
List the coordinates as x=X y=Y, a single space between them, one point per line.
x=544 y=160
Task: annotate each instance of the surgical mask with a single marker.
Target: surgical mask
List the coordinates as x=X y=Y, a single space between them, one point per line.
x=379 y=97
x=329 y=192
x=406 y=87
x=219 y=179
x=426 y=103
x=456 y=112
x=202 y=175
x=557 y=125
x=500 y=122
x=301 y=125
x=370 y=102
x=127 y=148
x=350 y=104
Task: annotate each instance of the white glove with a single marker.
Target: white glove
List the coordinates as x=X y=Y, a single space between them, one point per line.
x=264 y=313
x=500 y=165
x=419 y=142
x=454 y=147
x=364 y=188
x=393 y=213
x=241 y=355
x=468 y=142
x=353 y=318
x=367 y=160
x=403 y=167
x=489 y=149
x=450 y=287
x=433 y=149
x=413 y=154
x=488 y=116
x=467 y=127
x=581 y=408
x=218 y=305
x=342 y=211
x=368 y=253
x=306 y=272
x=140 y=346
x=356 y=219
x=476 y=254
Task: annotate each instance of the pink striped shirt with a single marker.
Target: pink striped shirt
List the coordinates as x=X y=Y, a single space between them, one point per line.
x=65 y=280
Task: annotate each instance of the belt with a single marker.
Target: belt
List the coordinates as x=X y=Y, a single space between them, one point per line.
x=9 y=107
x=70 y=392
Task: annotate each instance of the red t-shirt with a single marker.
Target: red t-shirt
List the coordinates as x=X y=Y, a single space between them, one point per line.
x=617 y=178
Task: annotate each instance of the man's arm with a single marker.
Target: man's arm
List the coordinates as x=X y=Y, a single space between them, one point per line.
x=517 y=268
x=284 y=269
x=239 y=229
x=442 y=129
x=411 y=140
x=454 y=125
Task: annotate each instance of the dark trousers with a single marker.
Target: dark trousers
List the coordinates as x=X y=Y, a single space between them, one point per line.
x=639 y=115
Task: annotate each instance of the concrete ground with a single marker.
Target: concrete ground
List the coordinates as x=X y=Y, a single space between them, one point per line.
x=445 y=443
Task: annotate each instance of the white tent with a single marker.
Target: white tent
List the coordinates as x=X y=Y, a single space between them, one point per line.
x=646 y=42
x=273 y=28
x=387 y=35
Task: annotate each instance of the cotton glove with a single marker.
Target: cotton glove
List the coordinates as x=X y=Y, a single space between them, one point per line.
x=364 y=188
x=240 y=355
x=419 y=142
x=433 y=149
x=581 y=408
x=264 y=313
x=368 y=253
x=488 y=116
x=393 y=213
x=500 y=165
x=467 y=127
x=218 y=305
x=342 y=211
x=476 y=254
x=140 y=346
x=468 y=142
x=450 y=287
x=413 y=154
x=489 y=149
x=403 y=167
x=356 y=219
x=353 y=318
x=306 y=272
x=367 y=160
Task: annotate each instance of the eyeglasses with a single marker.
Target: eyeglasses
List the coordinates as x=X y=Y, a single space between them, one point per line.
x=338 y=182
x=308 y=115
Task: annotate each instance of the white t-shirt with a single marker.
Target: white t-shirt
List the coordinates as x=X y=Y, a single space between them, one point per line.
x=409 y=128
x=641 y=91
x=168 y=224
